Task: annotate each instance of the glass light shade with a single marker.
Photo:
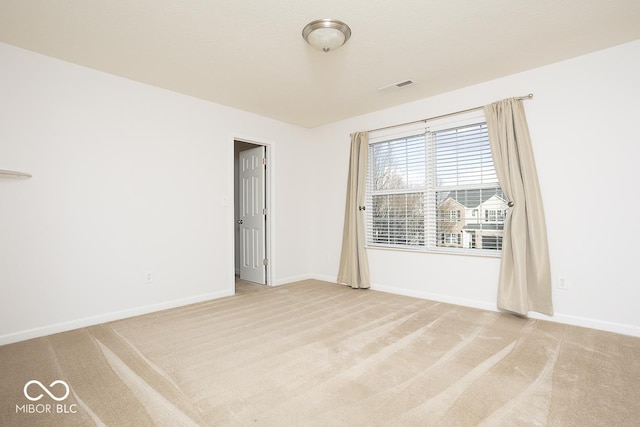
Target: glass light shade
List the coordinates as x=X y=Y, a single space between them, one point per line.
x=326 y=34
x=326 y=39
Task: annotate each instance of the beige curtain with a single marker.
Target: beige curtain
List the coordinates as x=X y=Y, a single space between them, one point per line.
x=354 y=265
x=525 y=277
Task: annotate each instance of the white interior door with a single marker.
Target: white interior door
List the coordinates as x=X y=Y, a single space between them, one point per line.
x=252 y=215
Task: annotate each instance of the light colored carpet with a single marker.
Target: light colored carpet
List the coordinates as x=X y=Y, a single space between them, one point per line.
x=319 y=354
x=244 y=287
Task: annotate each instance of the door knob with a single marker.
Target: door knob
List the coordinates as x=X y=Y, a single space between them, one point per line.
x=240 y=221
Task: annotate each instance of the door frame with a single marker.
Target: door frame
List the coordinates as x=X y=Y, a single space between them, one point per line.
x=268 y=197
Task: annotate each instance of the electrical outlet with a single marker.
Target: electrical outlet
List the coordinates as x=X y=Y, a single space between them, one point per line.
x=563 y=283
x=148 y=277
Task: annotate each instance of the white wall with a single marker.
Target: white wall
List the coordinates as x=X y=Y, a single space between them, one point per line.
x=583 y=123
x=127 y=179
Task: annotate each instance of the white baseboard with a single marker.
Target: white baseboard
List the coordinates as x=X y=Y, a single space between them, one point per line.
x=107 y=317
x=331 y=279
x=436 y=297
x=602 y=325
x=292 y=279
x=566 y=319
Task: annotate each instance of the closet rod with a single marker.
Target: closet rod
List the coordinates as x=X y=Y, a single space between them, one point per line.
x=519 y=98
x=4 y=172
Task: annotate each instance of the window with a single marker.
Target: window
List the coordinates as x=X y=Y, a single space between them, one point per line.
x=450 y=239
x=493 y=215
x=451 y=216
x=397 y=199
x=435 y=188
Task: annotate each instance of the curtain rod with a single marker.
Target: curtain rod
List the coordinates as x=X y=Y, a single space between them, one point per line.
x=519 y=98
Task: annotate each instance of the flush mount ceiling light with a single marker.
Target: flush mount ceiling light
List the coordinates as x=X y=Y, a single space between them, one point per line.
x=326 y=34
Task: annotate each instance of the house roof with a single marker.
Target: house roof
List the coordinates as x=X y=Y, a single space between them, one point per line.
x=484 y=226
x=250 y=54
x=472 y=198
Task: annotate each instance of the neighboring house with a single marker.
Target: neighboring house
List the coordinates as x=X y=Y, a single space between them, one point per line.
x=471 y=219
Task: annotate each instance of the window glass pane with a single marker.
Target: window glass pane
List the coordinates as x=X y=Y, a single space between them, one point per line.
x=398 y=164
x=481 y=214
x=398 y=219
x=463 y=157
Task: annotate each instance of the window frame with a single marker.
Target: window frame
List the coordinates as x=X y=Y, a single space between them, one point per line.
x=431 y=232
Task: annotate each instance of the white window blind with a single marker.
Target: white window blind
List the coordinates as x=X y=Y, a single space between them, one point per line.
x=397 y=181
x=435 y=188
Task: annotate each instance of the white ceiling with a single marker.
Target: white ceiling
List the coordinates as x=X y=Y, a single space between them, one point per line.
x=249 y=54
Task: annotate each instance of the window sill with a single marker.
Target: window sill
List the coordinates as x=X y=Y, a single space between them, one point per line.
x=474 y=253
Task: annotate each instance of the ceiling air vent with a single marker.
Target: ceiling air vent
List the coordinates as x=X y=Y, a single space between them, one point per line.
x=396 y=86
